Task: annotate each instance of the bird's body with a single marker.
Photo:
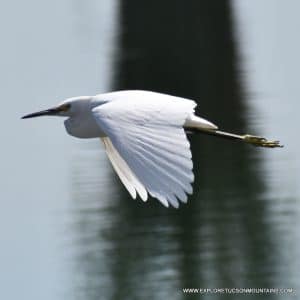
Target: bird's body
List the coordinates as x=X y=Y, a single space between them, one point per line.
x=144 y=137
x=82 y=123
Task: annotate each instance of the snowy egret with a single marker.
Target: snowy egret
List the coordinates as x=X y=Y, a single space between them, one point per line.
x=144 y=135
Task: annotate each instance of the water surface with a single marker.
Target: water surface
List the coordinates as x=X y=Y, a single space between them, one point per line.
x=69 y=230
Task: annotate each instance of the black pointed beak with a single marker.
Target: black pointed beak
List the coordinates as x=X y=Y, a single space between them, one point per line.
x=47 y=112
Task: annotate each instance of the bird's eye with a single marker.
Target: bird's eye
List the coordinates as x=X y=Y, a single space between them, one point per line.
x=65 y=107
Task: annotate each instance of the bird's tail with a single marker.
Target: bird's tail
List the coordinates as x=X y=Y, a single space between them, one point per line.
x=194 y=122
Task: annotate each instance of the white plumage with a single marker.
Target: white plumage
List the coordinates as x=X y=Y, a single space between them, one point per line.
x=130 y=181
x=144 y=138
x=150 y=137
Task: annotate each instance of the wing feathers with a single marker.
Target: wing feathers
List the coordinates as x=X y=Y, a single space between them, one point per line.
x=147 y=145
x=129 y=180
x=157 y=178
x=176 y=163
x=165 y=169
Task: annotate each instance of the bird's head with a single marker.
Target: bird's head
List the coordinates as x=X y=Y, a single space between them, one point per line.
x=67 y=108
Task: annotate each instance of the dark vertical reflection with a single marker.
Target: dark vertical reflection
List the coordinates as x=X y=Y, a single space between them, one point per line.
x=220 y=238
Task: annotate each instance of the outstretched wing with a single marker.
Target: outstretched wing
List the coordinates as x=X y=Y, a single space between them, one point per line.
x=129 y=180
x=147 y=145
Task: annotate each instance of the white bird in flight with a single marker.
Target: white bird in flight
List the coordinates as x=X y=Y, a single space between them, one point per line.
x=144 y=135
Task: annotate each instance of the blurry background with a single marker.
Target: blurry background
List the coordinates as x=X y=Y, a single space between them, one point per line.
x=69 y=230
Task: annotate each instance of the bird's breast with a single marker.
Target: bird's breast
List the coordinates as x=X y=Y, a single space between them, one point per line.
x=84 y=128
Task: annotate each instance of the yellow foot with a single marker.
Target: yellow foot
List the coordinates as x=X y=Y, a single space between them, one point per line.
x=259 y=141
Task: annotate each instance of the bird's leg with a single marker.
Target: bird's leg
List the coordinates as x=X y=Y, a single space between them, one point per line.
x=261 y=141
x=254 y=140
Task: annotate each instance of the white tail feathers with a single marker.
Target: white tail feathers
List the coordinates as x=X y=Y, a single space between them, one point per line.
x=192 y=121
